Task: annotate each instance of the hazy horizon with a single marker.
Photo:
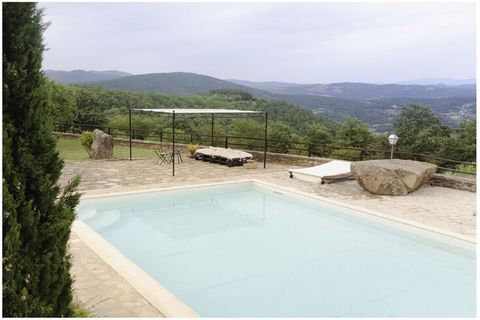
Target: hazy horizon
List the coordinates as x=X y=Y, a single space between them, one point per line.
x=285 y=42
x=428 y=80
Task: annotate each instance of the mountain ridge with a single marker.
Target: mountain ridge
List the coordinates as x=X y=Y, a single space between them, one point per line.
x=440 y=81
x=362 y=91
x=81 y=76
x=375 y=104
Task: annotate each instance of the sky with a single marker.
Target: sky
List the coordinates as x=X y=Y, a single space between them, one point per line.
x=289 y=42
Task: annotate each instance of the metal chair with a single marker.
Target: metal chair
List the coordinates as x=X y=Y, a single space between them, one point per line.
x=162 y=156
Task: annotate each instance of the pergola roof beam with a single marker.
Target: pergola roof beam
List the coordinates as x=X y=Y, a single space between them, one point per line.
x=197 y=111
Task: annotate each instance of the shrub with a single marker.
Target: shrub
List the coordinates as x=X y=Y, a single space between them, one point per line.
x=86 y=140
x=80 y=311
x=467 y=168
x=191 y=148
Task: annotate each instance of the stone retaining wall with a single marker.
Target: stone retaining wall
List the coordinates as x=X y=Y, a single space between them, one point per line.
x=439 y=180
x=466 y=184
x=294 y=160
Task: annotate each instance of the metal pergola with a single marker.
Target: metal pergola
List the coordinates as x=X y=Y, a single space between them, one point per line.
x=173 y=112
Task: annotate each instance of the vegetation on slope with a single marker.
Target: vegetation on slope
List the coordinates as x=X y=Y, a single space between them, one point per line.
x=374 y=104
x=175 y=83
x=79 y=76
x=290 y=127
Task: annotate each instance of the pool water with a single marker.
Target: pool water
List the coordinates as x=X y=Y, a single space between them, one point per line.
x=243 y=250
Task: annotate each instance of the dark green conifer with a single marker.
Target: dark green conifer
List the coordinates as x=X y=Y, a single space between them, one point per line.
x=36 y=216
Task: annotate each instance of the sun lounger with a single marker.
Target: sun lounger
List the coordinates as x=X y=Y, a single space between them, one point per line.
x=228 y=156
x=332 y=171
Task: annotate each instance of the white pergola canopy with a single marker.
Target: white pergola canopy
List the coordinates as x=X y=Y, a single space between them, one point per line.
x=190 y=111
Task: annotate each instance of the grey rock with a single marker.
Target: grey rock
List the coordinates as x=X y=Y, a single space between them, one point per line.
x=102 y=146
x=392 y=177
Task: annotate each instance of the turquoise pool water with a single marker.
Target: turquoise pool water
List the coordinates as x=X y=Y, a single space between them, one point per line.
x=243 y=250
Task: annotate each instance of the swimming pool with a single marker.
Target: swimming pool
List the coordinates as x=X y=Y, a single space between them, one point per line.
x=246 y=250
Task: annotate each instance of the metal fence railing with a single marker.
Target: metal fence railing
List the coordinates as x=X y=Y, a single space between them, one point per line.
x=279 y=146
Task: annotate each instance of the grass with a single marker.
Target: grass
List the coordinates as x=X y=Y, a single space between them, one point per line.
x=81 y=312
x=71 y=150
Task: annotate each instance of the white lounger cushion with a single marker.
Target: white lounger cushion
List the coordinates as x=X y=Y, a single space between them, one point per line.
x=336 y=169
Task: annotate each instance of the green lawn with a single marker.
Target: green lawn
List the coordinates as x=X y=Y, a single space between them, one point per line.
x=71 y=150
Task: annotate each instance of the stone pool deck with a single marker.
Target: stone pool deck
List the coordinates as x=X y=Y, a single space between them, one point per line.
x=100 y=289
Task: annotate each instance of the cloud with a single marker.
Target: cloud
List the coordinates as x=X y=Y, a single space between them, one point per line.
x=295 y=42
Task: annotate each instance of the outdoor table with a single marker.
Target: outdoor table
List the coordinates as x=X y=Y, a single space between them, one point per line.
x=176 y=153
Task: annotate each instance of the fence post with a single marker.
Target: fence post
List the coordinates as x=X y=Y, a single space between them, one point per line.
x=309 y=150
x=133 y=134
x=361 y=155
x=191 y=137
x=161 y=136
x=108 y=129
x=226 y=142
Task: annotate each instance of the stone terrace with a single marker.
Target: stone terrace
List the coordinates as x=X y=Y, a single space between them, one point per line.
x=99 y=288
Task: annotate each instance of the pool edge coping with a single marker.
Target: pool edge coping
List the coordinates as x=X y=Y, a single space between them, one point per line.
x=168 y=304
x=165 y=301
x=364 y=211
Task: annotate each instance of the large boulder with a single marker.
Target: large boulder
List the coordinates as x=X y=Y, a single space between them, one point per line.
x=392 y=177
x=102 y=146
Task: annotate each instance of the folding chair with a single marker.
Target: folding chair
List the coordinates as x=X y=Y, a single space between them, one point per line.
x=162 y=156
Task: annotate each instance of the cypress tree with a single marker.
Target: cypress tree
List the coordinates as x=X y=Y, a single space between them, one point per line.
x=36 y=216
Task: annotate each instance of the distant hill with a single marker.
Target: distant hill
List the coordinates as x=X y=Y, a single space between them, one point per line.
x=379 y=113
x=81 y=76
x=441 y=81
x=176 y=83
x=272 y=86
x=374 y=104
x=362 y=91
x=182 y=83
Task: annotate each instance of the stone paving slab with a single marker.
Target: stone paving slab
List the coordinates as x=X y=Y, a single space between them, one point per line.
x=447 y=209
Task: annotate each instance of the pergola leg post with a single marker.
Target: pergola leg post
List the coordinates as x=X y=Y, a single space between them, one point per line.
x=173 y=143
x=265 y=146
x=213 y=123
x=130 y=130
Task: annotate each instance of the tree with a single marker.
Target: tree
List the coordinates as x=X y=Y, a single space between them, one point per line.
x=204 y=133
x=234 y=94
x=90 y=106
x=467 y=140
x=36 y=217
x=355 y=134
x=142 y=124
x=247 y=128
x=419 y=130
x=463 y=145
x=318 y=135
x=281 y=135
x=62 y=102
